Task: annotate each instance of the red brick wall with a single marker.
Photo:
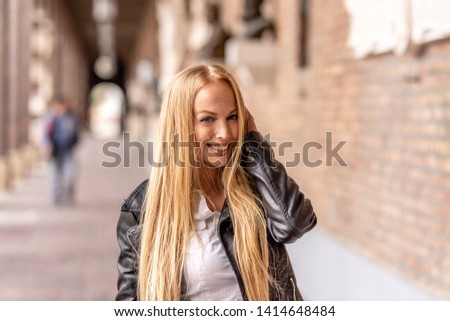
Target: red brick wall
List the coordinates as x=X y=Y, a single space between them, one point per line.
x=392 y=201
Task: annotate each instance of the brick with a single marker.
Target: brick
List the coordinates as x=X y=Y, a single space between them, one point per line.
x=396 y=190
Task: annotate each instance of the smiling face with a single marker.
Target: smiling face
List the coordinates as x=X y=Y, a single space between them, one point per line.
x=215 y=123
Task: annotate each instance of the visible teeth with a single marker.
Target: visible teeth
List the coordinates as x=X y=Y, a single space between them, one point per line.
x=218 y=147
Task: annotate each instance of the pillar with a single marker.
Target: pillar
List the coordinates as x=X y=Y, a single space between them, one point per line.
x=4 y=179
x=18 y=86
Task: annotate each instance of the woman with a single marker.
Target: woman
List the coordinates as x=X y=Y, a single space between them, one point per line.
x=217 y=210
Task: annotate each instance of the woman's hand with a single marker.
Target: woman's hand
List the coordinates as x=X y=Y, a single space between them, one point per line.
x=250 y=125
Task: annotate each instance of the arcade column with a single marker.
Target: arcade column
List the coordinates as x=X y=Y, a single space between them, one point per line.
x=17 y=71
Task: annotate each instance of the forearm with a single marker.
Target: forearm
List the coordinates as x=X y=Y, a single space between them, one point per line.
x=289 y=214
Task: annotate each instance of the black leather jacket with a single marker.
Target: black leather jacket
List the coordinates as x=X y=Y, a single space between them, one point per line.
x=289 y=216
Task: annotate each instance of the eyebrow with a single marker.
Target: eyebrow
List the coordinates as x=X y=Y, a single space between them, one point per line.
x=210 y=112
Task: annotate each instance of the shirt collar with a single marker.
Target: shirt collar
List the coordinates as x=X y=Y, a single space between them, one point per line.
x=203 y=211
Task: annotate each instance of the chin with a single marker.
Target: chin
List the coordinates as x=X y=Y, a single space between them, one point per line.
x=217 y=162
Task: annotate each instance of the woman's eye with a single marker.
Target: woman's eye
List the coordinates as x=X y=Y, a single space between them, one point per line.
x=233 y=117
x=206 y=119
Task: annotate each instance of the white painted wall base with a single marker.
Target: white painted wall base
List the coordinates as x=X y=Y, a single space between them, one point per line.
x=328 y=270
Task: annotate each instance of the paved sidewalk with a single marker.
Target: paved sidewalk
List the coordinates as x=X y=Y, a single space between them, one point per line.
x=64 y=253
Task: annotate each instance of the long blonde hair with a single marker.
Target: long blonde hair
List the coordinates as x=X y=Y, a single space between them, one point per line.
x=171 y=201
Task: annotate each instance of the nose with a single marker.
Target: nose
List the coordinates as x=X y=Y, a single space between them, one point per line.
x=223 y=131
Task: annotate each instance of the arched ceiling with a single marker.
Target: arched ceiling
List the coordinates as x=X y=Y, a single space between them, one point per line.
x=129 y=20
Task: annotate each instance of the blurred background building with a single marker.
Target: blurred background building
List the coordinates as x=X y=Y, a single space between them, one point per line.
x=369 y=79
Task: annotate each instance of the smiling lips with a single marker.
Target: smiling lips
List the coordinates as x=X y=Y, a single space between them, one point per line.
x=217 y=148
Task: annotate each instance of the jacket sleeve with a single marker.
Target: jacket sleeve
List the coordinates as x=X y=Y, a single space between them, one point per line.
x=127 y=263
x=289 y=214
x=129 y=238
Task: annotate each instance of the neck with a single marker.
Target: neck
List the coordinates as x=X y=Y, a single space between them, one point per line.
x=212 y=187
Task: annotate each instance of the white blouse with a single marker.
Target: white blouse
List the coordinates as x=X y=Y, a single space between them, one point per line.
x=207 y=272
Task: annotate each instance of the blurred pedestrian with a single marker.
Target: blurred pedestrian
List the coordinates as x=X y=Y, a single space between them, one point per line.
x=212 y=220
x=61 y=135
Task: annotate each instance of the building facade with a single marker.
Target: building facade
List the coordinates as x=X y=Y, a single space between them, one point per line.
x=388 y=198
x=41 y=55
x=358 y=109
